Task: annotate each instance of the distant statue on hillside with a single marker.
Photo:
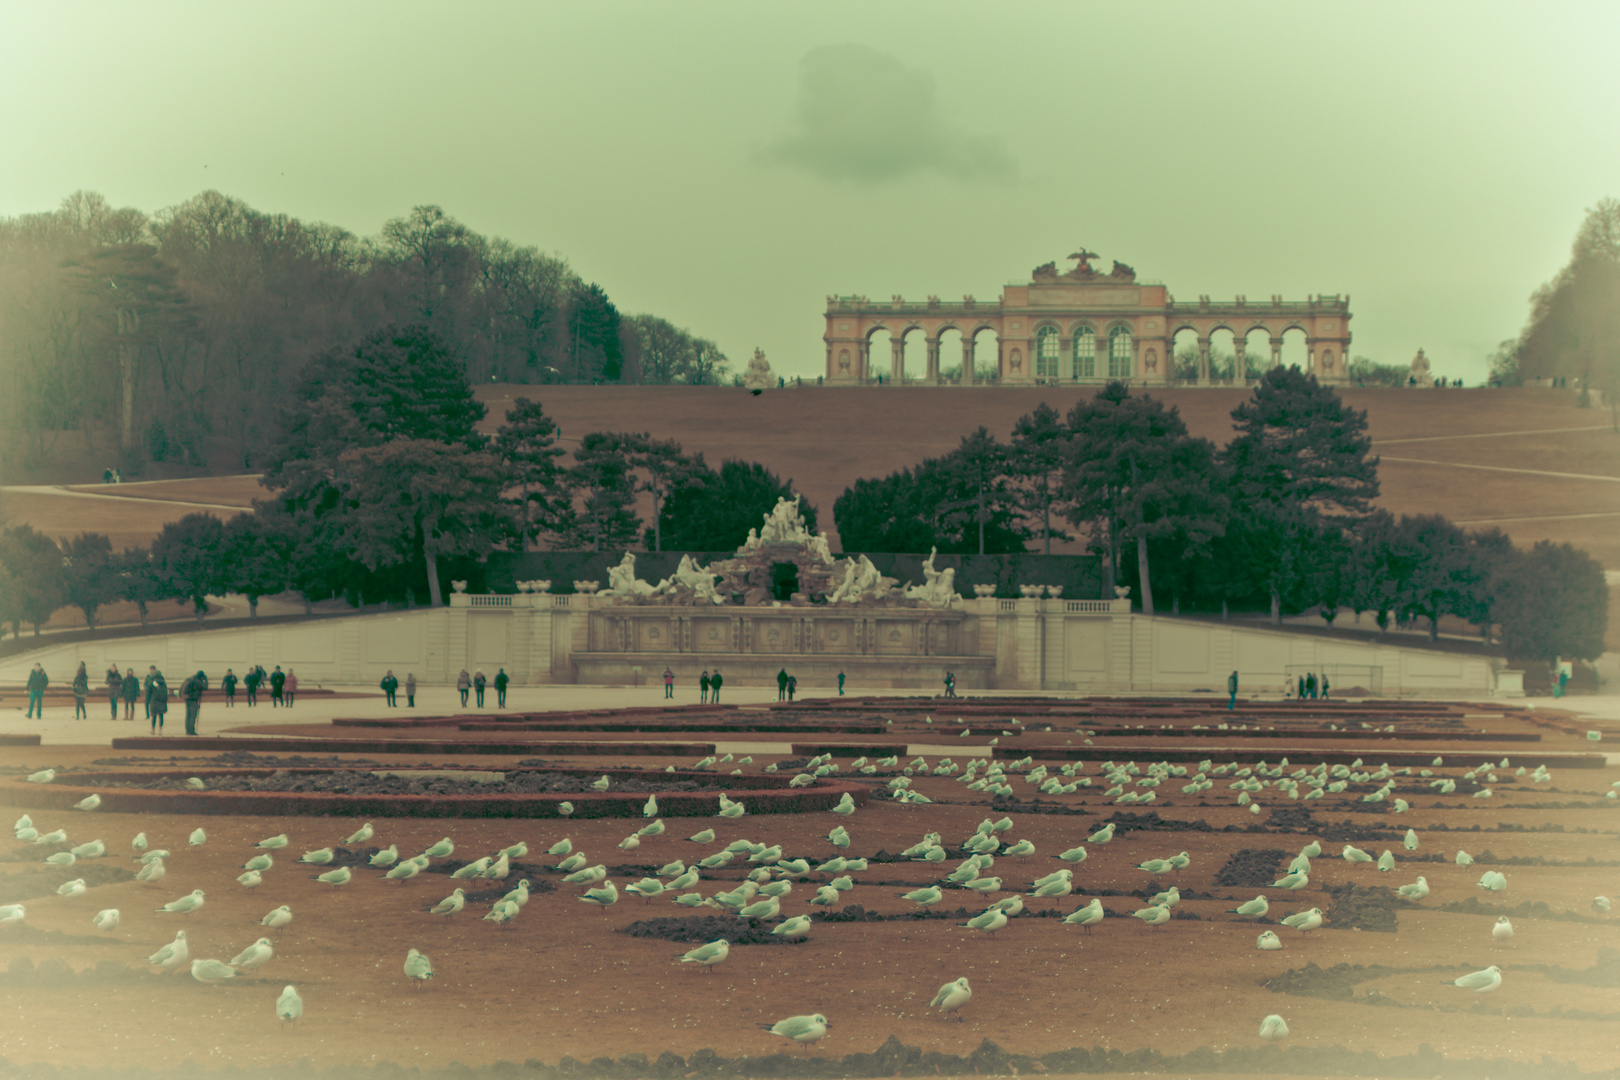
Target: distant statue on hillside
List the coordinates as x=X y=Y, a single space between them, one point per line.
x=1420 y=375
x=757 y=376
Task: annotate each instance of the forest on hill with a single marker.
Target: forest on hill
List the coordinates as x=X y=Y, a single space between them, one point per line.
x=128 y=338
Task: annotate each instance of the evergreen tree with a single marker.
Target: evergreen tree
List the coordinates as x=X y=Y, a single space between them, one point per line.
x=1039 y=451
x=659 y=469
x=1299 y=463
x=527 y=446
x=593 y=328
x=31 y=587
x=419 y=497
x=605 y=518
x=89 y=578
x=1135 y=475
x=257 y=558
x=1555 y=605
x=713 y=510
x=188 y=561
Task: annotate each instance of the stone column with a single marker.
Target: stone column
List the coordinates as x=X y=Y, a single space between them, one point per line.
x=1065 y=357
x=1310 y=356
x=861 y=350
x=897 y=361
x=1203 y=361
x=932 y=375
x=1240 y=361
x=1276 y=352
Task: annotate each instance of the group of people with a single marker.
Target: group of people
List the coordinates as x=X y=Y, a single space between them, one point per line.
x=128 y=688
x=786 y=685
x=1308 y=687
x=708 y=685
x=476 y=682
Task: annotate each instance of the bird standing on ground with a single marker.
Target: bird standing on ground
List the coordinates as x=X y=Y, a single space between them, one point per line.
x=289 y=1006
x=707 y=955
x=418 y=968
x=803 y=1030
x=952 y=996
x=171 y=956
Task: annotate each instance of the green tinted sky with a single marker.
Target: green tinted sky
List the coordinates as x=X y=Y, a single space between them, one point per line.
x=727 y=165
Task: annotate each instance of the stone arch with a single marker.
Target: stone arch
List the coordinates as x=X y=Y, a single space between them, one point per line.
x=1183 y=346
x=951 y=349
x=914 y=346
x=1257 y=351
x=985 y=351
x=1222 y=352
x=879 y=353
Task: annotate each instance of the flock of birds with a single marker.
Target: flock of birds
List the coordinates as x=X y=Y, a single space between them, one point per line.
x=771 y=876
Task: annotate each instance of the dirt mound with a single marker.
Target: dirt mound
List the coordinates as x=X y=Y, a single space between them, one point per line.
x=1363 y=907
x=702 y=928
x=1124 y=821
x=1252 y=868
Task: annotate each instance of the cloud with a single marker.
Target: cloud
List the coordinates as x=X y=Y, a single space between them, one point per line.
x=866 y=117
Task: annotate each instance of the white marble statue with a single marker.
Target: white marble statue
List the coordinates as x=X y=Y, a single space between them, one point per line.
x=938 y=587
x=698 y=579
x=784 y=524
x=622 y=580
x=861 y=581
x=821 y=549
x=752 y=543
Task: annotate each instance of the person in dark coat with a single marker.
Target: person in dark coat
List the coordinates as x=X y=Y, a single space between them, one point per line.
x=1301 y=694
x=81 y=690
x=463 y=684
x=479 y=682
x=228 y=684
x=715 y=682
x=131 y=692
x=840 y=684
x=251 y=684
x=1310 y=685
x=152 y=676
x=410 y=689
x=781 y=685
x=278 y=682
x=192 y=690
x=389 y=686
x=115 y=687
x=502 y=680
x=1231 y=691
x=1324 y=685
x=157 y=700
x=792 y=686
x=703 y=686
x=37 y=682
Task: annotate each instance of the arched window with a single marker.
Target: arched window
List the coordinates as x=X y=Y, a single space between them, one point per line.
x=1121 y=353
x=1046 y=353
x=1085 y=353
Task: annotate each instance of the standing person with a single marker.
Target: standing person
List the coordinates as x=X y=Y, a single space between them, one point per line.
x=947 y=681
x=781 y=684
x=479 y=682
x=463 y=684
x=254 y=678
x=715 y=682
x=1324 y=686
x=228 y=684
x=1310 y=685
x=81 y=690
x=792 y=686
x=703 y=687
x=278 y=682
x=1301 y=694
x=115 y=687
x=840 y=684
x=669 y=684
x=1563 y=681
x=1231 y=691
x=410 y=689
x=502 y=679
x=389 y=684
x=290 y=687
x=37 y=682
x=157 y=700
x=152 y=676
x=131 y=693
x=192 y=690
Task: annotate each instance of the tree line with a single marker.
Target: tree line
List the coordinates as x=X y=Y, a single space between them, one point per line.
x=177 y=335
x=1279 y=520
x=381 y=477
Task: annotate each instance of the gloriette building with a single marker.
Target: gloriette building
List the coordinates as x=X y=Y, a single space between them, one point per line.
x=1082 y=326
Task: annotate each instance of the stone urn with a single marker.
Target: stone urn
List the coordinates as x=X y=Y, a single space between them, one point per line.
x=459 y=586
x=1054 y=591
x=540 y=585
x=984 y=592
x=1030 y=592
x=1122 y=592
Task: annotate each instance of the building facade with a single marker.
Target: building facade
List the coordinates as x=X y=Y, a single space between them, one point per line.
x=1078 y=327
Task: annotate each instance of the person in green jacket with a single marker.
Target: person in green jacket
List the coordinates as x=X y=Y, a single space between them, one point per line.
x=37 y=682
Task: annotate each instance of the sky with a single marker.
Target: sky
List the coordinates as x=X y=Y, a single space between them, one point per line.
x=728 y=165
